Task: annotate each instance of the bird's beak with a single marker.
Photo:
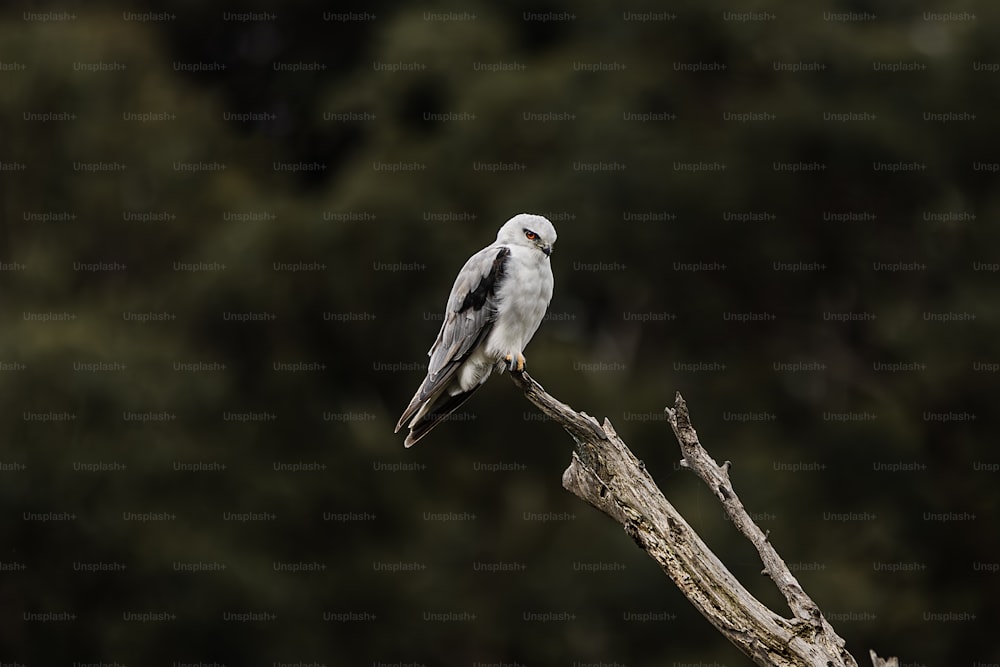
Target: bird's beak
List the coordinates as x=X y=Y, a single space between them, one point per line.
x=547 y=249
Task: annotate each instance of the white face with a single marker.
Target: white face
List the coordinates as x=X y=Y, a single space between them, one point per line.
x=530 y=231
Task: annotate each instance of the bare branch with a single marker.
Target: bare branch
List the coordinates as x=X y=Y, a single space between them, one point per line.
x=717 y=479
x=604 y=473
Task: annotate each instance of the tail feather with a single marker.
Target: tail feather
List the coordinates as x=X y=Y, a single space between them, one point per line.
x=433 y=414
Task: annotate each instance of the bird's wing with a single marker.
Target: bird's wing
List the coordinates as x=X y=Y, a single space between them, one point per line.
x=468 y=318
x=471 y=309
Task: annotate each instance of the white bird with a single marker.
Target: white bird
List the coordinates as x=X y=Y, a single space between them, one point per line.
x=495 y=307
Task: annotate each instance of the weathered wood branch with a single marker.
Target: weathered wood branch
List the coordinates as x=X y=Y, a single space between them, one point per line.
x=604 y=473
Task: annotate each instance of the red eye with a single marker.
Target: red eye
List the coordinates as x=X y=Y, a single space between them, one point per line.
x=531 y=236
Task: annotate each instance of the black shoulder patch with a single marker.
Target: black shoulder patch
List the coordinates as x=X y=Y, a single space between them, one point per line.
x=477 y=297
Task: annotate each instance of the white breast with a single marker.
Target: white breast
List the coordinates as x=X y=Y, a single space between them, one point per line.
x=524 y=297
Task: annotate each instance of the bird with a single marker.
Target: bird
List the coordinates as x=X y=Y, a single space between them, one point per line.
x=498 y=301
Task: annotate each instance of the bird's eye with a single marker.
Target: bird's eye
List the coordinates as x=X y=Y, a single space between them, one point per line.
x=530 y=235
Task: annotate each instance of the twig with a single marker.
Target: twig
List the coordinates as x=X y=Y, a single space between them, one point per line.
x=717 y=479
x=604 y=473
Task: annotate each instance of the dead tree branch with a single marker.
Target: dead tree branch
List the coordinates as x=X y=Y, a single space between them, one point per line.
x=604 y=473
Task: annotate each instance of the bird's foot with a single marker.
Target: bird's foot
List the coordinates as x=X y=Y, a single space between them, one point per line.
x=515 y=363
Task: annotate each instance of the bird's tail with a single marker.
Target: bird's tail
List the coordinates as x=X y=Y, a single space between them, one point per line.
x=432 y=413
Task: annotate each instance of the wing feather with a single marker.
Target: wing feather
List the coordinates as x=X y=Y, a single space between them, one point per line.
x=468 y=319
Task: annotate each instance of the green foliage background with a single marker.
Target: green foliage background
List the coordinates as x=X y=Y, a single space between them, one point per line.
x=367 y=323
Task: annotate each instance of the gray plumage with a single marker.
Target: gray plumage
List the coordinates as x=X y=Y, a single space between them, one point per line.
x=496 y=304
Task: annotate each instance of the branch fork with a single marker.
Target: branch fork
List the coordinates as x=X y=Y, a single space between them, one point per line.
x=606 y=474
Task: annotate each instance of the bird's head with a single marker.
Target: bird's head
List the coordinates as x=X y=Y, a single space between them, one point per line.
x=529 y=231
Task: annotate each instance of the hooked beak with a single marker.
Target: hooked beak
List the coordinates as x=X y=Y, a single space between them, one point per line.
x=547 y=249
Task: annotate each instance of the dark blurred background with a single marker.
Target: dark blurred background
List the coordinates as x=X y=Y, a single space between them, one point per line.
x=227 y=236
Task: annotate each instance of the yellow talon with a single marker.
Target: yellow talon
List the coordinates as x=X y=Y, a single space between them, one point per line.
x=511 y=365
